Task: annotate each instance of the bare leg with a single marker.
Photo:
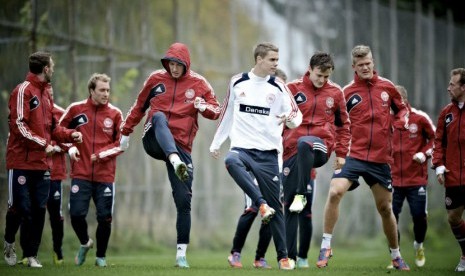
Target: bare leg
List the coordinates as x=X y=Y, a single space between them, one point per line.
x=338 y=188
x=383 y=200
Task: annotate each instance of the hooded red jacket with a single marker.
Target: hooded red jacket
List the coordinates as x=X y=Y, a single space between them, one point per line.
x=369 y=103
x=406 y=143
x=100 y=127
x=175 y=98
x=324 y=115
x=32 y=126
x=449 y=144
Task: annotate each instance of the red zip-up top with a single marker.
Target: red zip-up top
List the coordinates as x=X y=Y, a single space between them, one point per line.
x=324 y=115
x=31 y=125
x=100 y=127
x=58 y=170
x=175 y=98
x=449 y=144
x=369 y=104
x=406 y=143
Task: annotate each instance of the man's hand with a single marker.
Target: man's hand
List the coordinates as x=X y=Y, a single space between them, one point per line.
x=339 y=162
x=440 y=174
x=419 y=157
x=281 y=119
x=124 y=142
x=215 y=153
x=200 y=104
x=74 y=154
x=49 y=150
x=77 y=137
x=56 y=148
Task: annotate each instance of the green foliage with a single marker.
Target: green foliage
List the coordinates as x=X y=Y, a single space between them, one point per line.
x=122 y=87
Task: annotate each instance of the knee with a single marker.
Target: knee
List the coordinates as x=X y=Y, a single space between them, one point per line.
x=335 y=195
x=158 y=117
x=302 y=145
x=183 y=205
x=385 y=209
x=104 y=220
x=232 y=160
x=453 y=219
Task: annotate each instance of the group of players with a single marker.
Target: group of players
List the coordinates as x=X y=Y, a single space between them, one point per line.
x=279 y=134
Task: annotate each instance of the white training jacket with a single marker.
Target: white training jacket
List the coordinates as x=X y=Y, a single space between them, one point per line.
x=250 y=113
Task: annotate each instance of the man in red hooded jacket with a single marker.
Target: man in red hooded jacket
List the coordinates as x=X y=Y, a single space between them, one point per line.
x=369 y=100
x=28 y=157
x=448 y=157
x=174 y=97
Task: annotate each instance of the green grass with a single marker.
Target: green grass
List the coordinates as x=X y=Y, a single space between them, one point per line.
x=366 y=259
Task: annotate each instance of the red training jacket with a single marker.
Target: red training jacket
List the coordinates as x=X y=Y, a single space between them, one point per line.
x=406 y=143
x=100 y=127
x=369 y=103
x=175 y=98
x=449 y=144
x=324 y=115
x=58 y=171
x=32 y=126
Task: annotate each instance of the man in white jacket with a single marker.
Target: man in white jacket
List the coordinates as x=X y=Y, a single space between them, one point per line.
x=254 y=112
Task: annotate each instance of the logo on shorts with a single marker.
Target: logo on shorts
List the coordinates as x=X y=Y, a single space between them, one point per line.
x=286 y=171
x=22 y=180
x=75 y=189
x=448 y=201
x=275 y=178
x=422 y=191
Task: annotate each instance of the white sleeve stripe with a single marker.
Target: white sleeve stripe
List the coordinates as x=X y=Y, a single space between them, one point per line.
x=109 y=152
x=20 y=113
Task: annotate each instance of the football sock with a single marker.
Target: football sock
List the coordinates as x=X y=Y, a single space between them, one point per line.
x=174 y=158
x=326 y=241
x=181 y=250
x=459 y=233
x=395 y=252
x=417 y=245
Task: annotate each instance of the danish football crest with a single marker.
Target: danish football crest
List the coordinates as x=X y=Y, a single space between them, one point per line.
x=384 y=96
x=22 y=179
x=413 y=128
x=329 y=102
x=190 y=93
x=108 y=122
x=270 y=98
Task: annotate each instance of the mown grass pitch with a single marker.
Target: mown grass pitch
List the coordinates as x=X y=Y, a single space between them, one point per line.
x=369 y=259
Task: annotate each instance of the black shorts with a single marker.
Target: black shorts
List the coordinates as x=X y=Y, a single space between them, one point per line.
x=371 y=172
x=455 y=197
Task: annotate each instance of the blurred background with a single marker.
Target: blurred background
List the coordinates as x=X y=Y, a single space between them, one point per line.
x=415 y=43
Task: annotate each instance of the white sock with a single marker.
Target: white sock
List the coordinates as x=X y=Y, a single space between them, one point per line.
x=174 y=158
x=395 y=252
x=181 y=250
x=417 y=245
x=326 y=241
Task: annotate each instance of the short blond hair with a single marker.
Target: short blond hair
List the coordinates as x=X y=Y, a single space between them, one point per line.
x=360 y=51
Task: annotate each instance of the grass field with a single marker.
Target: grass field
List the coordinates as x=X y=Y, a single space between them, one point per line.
x=368 y=259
